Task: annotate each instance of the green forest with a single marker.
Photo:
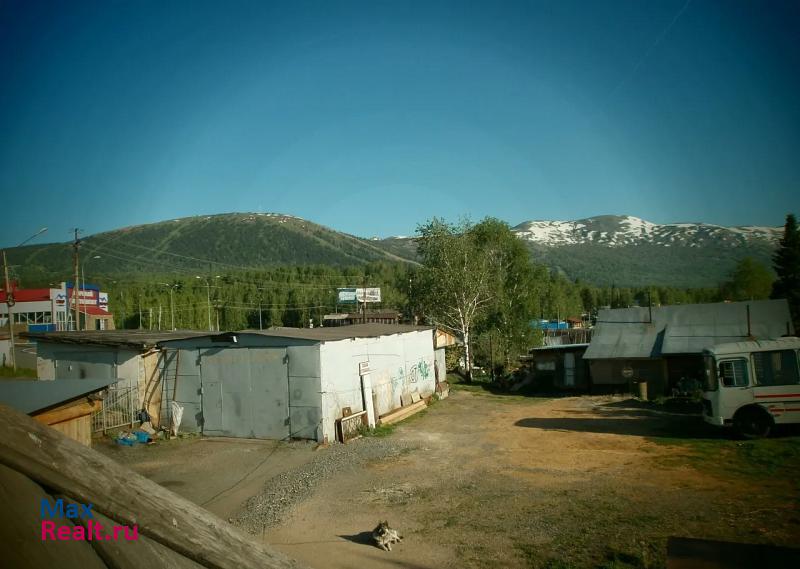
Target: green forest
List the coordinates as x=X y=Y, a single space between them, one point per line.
x=294 y=295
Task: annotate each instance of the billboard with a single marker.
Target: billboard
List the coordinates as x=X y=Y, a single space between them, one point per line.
x=356 y=295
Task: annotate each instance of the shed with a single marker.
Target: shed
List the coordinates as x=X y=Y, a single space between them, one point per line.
x=65 y=405
x=662 y=345
x=297 y=382
x=560 y=368
x=131 y=358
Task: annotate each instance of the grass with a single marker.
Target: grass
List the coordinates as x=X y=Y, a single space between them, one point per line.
x=773 y=457
x=20 y=372
x=378 y=431
x=483 y=387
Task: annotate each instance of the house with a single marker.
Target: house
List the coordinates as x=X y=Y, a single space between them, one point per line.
x=663 y=345
x=559 y=367
x=66 y=405
x=298 y=382
x=161 y=529
x=52 y=309
x=131 y=358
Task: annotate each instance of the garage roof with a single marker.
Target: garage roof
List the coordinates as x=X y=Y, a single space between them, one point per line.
x=137 y=339
x=332 y=333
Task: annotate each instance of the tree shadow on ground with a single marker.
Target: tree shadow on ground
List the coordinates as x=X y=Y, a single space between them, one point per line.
x=628 y=417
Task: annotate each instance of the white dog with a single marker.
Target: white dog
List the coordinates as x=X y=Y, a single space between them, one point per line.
x=385 y=536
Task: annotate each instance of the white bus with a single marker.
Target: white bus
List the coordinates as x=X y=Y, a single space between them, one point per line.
x=752 y=386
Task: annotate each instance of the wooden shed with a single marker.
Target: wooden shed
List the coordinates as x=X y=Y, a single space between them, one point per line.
x=66 y=405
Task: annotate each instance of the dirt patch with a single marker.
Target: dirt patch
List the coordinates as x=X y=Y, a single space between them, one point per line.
x=539 y=483
x=218 y=474
x=483 y=480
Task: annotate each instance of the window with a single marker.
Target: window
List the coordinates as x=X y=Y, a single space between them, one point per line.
x=733 y=373
x=776 y=368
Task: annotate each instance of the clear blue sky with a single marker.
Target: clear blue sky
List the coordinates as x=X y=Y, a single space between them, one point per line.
x=371 y=117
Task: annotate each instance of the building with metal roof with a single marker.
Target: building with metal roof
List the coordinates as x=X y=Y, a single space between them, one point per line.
x=662 y=345
x=275 y=383
x=298 y=382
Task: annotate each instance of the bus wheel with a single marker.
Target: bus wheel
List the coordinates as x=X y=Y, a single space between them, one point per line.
x=752 y=423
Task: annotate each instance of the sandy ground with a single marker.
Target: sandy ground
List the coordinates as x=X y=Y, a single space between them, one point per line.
x=510 y=483
x=497 y=481
x=219 y=474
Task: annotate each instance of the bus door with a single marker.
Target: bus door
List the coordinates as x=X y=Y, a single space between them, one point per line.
x=735 y=385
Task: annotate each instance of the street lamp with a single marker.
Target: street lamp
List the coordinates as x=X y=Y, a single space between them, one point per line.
x=208 y=298
x=172 y=288
x=10 y=301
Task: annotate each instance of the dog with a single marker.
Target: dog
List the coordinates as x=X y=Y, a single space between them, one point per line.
x=384 y=536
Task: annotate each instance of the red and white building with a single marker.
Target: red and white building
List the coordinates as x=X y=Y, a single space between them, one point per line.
x=52 y=309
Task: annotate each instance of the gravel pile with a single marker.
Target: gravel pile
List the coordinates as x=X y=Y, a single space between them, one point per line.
x=283 y=492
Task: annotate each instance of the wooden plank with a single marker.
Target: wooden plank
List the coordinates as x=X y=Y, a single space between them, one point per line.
x=21 y=529
x=85 y=476
x=402 y=413
x=690 y=553
x=69 y=411
x=79 y=429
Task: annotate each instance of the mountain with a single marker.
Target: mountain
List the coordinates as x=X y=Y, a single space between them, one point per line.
x=603 y=250
x=629 y=251
x=201 y=244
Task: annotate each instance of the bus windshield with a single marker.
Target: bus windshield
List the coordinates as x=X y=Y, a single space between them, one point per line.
x=711 y=383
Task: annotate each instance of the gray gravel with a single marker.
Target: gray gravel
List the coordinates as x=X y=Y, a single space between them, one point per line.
x=283 y=492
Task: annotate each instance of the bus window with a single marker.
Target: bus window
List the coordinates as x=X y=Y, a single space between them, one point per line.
x=733 y=373
x=775 y=368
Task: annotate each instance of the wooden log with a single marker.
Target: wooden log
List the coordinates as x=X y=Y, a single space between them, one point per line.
x=20 y=529
x=69 y=411
x=86 y=476
x=136 y=554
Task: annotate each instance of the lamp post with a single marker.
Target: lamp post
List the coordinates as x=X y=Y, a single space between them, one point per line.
x=172 y=288
x=10 y=301
x=208 y=299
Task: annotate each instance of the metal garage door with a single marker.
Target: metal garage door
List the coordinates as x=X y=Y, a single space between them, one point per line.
x=245 y=392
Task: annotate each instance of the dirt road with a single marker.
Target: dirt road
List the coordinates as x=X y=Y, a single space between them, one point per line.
x=515 y=482
x=483 y=480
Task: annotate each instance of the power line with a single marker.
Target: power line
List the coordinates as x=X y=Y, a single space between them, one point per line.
x=649 y=50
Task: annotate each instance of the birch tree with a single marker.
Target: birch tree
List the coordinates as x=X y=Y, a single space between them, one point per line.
x=453 y=286
x=517 y=288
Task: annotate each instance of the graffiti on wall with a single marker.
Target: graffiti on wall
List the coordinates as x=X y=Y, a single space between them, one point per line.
x=420 y=371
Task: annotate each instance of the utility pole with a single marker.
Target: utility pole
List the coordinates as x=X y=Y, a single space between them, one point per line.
x=10 y=300
x=75 y=246
x=364 y=304
x=10 y=304
x=172 y=306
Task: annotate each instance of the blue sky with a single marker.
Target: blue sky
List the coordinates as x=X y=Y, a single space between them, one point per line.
x=371 y=117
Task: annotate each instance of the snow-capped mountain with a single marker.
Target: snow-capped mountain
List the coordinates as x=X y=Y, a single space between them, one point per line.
x=615 y=231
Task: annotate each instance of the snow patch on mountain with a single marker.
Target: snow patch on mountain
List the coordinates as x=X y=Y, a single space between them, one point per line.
x=616 y=231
